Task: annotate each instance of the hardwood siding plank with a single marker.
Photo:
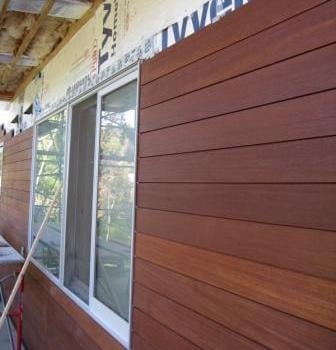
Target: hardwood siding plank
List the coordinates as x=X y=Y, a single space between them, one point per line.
x=271 y=328
x=308 y=251
x=73 y=314
x=240 y=93
x=15 y=194
x=68 y=334
x=158 y=336
x=24 y=175
x=18 y=166
x=305 y=117
x=139 y=343
x=25 y=135
x=307 y=161
x=17 y=219
x=18 y=156
x=201 y=331
x=233 y=28
x=310 y=206
x=16 y=204
x=18 y=147
x=22 y=185
x=307 y=297
x=300 y=34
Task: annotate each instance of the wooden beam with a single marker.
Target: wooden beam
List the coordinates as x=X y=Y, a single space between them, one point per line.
x=6 y=96
x=27 y=40
x=74 y=28
x=3 y=10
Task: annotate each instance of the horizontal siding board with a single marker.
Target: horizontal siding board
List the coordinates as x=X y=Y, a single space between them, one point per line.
x=22 y=175
x=17 y=166
x=18 y=156
x=273 y=329
x=300 y=34
x=139 y=343
x=18 y=147
x=307 y=297
x=15 y=204
x=308 y=251
x=22 y=196
x=22 y=185
x=290 y=162
x=281 y=81
x=249 y=20
x=203 y=332
x=69 y=334
x=302 y=205
x=306 y=117
x=101 y=338
x=157 y=335
x=25 y=135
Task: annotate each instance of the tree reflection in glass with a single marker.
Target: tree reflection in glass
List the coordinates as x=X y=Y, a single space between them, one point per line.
x=49 y=165
x=116 y=178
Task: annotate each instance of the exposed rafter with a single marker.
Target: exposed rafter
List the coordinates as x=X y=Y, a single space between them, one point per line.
x=27 y=40
x=75 y=27
x=6 y=96
x=3 y=10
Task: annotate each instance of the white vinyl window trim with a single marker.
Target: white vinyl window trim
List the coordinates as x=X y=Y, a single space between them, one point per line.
x=104 y=316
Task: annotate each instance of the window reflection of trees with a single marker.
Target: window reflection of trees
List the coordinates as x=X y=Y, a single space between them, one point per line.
x=116 y=178
x=116 y=174
x=49 y=165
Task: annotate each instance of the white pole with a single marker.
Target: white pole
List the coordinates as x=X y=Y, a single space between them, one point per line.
x=27 y=261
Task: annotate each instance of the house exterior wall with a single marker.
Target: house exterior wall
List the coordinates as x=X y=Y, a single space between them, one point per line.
x=120 y=33
x=235 y=242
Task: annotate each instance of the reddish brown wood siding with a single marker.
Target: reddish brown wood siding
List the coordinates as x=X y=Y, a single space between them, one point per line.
x=15 y=188
x=51 y=320
x=236 y=197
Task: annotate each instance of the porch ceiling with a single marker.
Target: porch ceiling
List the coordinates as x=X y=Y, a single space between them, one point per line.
x=31 y=34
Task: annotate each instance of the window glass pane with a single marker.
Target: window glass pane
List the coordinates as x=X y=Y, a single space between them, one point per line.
x=116 y=176
x=49 y=165
x=79 y=208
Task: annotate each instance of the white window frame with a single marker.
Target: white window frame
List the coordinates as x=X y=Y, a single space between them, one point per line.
x=105 y=317
x=114 y=320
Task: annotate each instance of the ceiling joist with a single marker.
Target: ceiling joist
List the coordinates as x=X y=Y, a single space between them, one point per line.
x=27 y=40
x=26 y=61
x=6 y=96
x=3 y=10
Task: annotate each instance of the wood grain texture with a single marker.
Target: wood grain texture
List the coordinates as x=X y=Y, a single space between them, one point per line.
x=297 y=35
x=240 y=93
x=310 y=206
x=290 y=162
x=18 y=156
x=273 y=329
x=305 y=117
x=74 y=328
x=158 y=336
x=264 y=284
x=25 y=135
x=291 y=248
x=233 y=28
x=201 y=331
x=23 y=145
x=24 y=165
x=10 y=183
